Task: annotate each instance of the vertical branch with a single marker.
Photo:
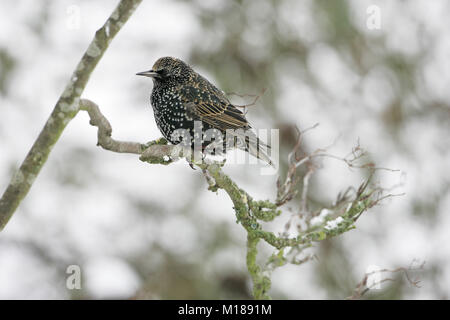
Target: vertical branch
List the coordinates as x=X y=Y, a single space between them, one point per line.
x=261 y=283
x=65 y=109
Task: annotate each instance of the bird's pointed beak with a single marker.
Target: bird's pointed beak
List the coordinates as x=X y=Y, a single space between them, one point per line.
x=149 y=73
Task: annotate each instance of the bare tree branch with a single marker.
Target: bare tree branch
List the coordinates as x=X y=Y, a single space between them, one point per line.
x=154 y=152
x=105 y=131
x=65 y=109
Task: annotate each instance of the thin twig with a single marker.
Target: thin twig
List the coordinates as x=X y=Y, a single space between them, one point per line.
x=362 y=287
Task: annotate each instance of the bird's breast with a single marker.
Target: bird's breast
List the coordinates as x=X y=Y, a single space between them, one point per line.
x=169 y=111
x=164 y=99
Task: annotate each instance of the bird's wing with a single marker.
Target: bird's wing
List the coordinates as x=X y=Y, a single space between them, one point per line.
x=211 y=106
x=208 y=104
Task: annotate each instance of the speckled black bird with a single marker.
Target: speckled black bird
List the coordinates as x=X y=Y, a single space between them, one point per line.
x=181 y=96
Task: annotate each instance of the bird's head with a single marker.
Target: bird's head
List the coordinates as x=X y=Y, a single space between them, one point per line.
x=168 y=69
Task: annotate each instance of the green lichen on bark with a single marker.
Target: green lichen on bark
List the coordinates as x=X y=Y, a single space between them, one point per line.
x=264 y=210
x=261 y=282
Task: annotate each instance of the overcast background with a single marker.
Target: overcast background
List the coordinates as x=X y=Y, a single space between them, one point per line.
x=151 y=231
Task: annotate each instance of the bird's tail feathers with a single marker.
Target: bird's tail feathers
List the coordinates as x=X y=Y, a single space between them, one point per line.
x=249 y=142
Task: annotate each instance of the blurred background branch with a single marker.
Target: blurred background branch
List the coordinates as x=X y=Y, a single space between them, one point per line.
x=373 y=279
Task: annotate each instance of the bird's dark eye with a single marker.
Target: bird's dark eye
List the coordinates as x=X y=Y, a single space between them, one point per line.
x=162 y=72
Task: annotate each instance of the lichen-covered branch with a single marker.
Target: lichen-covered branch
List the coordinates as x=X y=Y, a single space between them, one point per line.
x=261 y=282
x=65 y=109
x=249 y=212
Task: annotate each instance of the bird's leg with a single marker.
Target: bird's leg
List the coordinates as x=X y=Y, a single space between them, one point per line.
x=191 y=164
x=191 y=156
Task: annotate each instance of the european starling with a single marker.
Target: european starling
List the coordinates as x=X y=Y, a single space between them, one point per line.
x=181 y=96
